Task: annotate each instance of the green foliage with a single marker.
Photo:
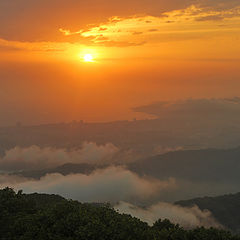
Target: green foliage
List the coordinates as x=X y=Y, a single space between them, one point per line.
x=51 y=217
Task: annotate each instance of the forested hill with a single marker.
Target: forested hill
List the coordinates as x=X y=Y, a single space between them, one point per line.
x=208 y=165
x=226 y=209
x=51 y=217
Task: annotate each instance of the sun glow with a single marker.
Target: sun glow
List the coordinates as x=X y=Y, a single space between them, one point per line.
x=88 y=57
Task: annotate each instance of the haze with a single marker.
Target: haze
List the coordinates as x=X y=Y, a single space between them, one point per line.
x=145 y=51
x=135 y=103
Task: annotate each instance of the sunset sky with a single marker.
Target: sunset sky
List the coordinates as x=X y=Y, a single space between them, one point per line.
x=64 y=60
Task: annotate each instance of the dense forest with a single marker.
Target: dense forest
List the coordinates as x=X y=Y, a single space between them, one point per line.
x=51 y=217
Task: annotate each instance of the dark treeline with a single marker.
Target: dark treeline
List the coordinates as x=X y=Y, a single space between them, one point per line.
x=45 y=217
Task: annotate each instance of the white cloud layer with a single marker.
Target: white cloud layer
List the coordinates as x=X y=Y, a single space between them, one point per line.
x=34 y=157
x=112 y=184
x=186 y=217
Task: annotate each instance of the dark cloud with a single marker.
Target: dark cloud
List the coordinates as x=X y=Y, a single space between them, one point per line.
x=195 y=107
x=153 y=30
x=4 y=48
x=137 y=33
x=119 y=44
x=218 y=5
x=23 y=20
x=211 y=18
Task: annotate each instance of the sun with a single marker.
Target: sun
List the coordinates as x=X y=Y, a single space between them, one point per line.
x=88 y=57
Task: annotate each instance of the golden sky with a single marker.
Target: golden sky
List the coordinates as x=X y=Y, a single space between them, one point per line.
x=142 y=51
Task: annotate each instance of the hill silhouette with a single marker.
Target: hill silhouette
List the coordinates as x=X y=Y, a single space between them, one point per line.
x=40 y=216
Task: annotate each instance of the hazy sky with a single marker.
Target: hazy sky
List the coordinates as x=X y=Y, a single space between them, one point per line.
x=143 y=51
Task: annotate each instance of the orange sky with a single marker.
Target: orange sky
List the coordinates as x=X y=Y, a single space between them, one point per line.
x=143 y=51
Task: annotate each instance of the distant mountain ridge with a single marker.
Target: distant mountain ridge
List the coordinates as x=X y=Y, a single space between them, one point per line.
x=195 y=165
x=225 y=209
x=143 y=136
x=196 y=173
x=65 y=169
x=206 y=164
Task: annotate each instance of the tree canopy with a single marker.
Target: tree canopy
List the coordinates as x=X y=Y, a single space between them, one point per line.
x=51 y=217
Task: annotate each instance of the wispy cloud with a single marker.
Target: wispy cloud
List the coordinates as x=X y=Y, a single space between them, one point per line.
x=112 y=184
x=188 y=217
x=35 y=158
x=191 y=22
